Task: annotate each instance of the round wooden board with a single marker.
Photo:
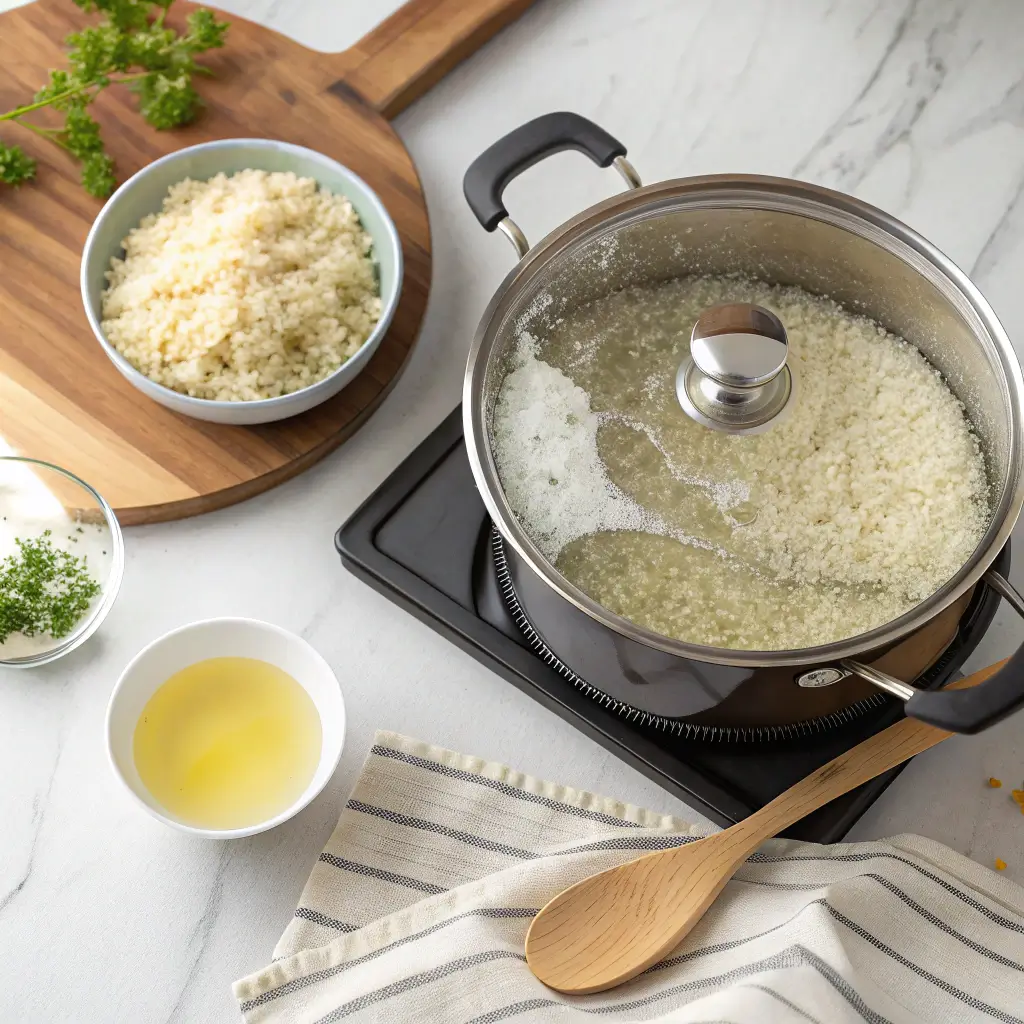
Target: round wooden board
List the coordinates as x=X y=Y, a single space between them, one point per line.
x=60 y=398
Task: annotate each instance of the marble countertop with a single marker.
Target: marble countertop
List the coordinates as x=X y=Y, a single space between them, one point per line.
x=105 y=915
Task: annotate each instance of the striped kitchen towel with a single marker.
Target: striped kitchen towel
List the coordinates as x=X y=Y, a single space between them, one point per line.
x=418 y=908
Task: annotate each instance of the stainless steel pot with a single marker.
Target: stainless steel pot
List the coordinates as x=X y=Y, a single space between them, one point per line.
x=781 y=231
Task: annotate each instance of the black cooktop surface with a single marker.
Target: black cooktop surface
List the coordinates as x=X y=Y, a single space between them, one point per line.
x=423 y=539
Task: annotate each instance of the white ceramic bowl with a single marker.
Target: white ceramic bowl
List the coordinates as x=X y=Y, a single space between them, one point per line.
x=144 y=193
x=222 y=638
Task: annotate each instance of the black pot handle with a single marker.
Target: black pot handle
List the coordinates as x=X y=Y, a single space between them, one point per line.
x=527 y=145
x=970 y=710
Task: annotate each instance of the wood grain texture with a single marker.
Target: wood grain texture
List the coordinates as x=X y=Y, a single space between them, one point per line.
x=60 y=398
x=612 y=926
x=419 y=44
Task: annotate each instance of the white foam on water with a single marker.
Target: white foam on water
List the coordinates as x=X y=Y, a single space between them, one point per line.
x=545 y=447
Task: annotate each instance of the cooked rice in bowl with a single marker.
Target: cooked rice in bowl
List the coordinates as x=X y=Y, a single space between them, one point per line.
x=243 y=287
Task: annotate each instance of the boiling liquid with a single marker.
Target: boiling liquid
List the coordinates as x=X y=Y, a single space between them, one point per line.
x=228 y=743
x=764 y=542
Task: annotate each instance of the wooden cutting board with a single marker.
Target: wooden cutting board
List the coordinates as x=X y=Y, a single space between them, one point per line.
x=60 y=398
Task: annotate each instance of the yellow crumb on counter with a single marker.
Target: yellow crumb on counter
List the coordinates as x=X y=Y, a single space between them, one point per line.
x=1018 y=795
x=1000 y=864
x=995 y=783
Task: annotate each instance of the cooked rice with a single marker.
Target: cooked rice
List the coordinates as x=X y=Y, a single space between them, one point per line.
x=243 y=287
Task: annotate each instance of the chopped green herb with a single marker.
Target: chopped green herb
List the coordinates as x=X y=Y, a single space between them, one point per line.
x=43 y=589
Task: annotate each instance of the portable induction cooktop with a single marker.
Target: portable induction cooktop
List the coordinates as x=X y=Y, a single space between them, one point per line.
x=425 y=541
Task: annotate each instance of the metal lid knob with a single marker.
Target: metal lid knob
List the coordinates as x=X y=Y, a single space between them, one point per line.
x=735 y=378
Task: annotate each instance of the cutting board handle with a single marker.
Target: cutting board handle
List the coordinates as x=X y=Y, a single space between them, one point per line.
x=418 y=45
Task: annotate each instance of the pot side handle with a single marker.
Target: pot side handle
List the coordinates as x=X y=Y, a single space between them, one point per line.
x=971 y=711
x=527 y=145
x=965 y=711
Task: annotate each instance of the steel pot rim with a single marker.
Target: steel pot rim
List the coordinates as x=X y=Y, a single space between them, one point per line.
x=783 y=195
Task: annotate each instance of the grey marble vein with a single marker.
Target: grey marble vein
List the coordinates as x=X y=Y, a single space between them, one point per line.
x=884 y=116
x=1005 y=228
x=200 y=938
x=40 y=803
x=869 y=17
x=741 y=79
x=1009 y=109
x=682 y=107
x=849 y=115
x=639 y=16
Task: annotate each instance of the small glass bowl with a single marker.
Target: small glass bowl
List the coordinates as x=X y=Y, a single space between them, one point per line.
x=35 y=496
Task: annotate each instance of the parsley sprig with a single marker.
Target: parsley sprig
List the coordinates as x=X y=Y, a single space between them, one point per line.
x=43 y=589
x=132 y=46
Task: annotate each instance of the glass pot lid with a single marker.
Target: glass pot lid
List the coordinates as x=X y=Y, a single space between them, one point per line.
x=784 y=233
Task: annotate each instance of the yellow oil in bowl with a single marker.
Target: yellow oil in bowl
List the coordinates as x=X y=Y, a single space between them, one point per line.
x=227 y=743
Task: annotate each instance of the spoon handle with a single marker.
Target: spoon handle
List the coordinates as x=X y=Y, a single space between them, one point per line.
x=859 y=764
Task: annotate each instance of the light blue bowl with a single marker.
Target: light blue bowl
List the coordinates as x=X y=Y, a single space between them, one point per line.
x=145 y=192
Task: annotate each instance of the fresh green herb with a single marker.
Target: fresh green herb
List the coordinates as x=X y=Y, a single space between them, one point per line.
x=16 y=165
x=131 y=46
x=43 y=589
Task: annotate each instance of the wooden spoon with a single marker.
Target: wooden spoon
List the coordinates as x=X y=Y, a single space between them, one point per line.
x=614 y=925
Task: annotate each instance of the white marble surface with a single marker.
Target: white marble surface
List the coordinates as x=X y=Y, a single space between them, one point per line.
x=105 y=915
